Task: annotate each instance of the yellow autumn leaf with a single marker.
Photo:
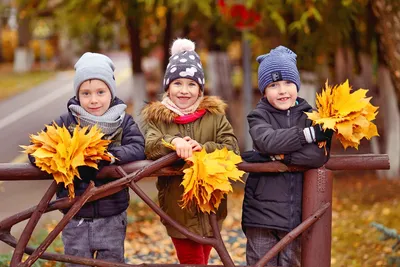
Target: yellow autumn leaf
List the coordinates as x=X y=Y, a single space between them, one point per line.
x=346 y=112
x=60 y=154
x=166 y=144
x=207 y=178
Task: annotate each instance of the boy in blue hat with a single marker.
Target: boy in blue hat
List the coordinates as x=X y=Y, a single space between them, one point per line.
x=280 y=131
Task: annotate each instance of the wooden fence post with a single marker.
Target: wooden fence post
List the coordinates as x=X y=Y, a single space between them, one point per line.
x=316 y=241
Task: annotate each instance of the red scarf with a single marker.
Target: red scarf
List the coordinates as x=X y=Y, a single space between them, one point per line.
x=190 y=117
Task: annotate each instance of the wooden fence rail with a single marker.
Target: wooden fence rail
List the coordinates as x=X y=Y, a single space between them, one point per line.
x=315 y=228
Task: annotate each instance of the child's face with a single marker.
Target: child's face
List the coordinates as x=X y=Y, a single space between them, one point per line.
x=183 y=92
x=94 y=96
x=282 y=94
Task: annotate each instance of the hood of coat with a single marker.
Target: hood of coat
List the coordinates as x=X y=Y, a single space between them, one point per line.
x=156 y=111
x=302 y=106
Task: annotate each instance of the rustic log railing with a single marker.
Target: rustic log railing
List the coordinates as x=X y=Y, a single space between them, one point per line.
x=317 y=199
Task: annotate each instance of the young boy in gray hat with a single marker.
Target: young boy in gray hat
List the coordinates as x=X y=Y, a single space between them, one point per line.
x=100 y=226
x=280 y=131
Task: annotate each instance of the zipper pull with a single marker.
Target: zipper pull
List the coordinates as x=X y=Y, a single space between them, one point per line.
x=288 y=112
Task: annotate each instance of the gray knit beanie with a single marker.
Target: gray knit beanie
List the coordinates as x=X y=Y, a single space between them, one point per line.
x=95 y=66
x=278 y=65
x=184 y=63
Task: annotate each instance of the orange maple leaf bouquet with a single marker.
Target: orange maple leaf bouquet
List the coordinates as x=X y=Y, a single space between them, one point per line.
x=348 y=114
x=59 y=153
x=207 y=178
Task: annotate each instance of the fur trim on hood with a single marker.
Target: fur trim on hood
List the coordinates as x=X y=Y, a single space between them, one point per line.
x=156 y=111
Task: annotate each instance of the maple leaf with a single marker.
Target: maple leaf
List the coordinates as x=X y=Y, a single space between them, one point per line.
x=207 y=177
x=60 y=154
x=349 y=114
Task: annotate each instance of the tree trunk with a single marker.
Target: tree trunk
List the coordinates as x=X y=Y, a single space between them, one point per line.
x=23 y=58
x=219 y=74
x=308 y=90
x=388 y=26
x=1 y=40
x=343 y=65
x=66 y=56
x=134 y=43
x=387 y=15
x=167 y=37
x=139 y=82
x=391 y=114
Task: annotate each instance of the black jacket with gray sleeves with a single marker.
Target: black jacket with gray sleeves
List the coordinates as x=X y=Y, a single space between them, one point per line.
x=273 y=200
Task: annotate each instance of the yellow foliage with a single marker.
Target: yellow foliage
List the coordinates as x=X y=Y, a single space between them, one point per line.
x=9 y=41
x=206 y=178
x=60 y=154
x=349 y=114
x=48 y=49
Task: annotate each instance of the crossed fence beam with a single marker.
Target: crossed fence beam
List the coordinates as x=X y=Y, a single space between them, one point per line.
x=317 y=198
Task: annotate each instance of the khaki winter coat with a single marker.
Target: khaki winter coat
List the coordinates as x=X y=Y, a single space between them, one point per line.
x=211 y=131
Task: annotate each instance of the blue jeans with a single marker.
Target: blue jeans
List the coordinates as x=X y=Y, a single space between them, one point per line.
x=103 y=236
x=261 y=240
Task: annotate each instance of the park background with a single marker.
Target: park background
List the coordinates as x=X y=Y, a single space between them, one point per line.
x=358 y=40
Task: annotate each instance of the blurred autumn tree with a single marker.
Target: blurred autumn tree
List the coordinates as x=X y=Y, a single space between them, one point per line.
x=387 y=14
x=348 y=39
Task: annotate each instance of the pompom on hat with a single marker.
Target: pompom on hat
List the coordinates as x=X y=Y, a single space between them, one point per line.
x=95 y=66
x=184 y=63
x=278 y=65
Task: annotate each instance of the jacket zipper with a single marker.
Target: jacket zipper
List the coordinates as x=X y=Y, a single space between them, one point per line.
x=188 y=131
x=291 y=181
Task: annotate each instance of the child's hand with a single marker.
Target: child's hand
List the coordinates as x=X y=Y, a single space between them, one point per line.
x=182 y=147
x=195 y=145
x=322 y=135
x=317 y=134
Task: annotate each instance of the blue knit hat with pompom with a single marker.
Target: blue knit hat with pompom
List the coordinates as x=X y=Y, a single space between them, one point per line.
x=278 y=65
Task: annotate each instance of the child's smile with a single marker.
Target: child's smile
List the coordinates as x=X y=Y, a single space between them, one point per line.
x=184 y=92
x=94 y=97
x=281 y=95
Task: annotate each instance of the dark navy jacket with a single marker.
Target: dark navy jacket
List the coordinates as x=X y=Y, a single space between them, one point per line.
x=127 y=145
x=273 y=200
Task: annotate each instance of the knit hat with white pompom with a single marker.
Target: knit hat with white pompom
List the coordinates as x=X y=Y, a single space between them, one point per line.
x=184 y=63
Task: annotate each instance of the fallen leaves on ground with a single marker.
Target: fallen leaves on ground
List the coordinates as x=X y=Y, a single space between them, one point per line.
x=147 y=240
x=349 y=114
x=357 y=201
x=60 y=154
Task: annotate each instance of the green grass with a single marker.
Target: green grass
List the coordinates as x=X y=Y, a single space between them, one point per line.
x=12 y=83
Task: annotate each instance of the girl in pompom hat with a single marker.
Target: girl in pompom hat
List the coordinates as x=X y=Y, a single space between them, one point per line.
x=190 y=121
x=280 y=131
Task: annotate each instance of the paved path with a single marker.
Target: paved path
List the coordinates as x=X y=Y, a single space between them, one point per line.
x=28 y=113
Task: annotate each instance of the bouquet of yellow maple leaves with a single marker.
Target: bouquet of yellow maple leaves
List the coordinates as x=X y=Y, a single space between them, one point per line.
x=349 y=114
x=60 y=154
x=206 y=177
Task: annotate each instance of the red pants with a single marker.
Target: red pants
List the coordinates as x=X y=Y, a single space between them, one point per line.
x=190 y=252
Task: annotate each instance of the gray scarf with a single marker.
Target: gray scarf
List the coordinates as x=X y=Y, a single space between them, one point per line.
x=108 y=122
